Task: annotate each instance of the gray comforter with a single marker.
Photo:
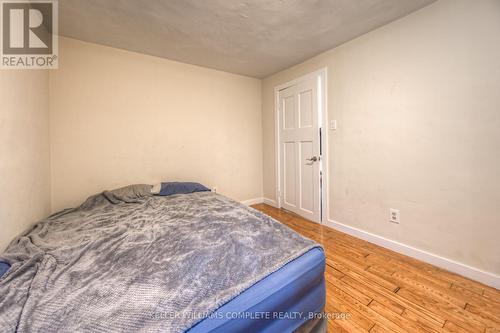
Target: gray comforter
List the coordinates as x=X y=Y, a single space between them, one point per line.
x=148 y=264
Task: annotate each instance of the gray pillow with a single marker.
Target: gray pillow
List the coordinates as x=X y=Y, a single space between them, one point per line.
x=129 y=193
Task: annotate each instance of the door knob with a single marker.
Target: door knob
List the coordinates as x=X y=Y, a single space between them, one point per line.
x=312 y=159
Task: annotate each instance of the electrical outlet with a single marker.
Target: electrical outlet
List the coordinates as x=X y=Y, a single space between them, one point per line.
x=214 y=189
x=394 y=215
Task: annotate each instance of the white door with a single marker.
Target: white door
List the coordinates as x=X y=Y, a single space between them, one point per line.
x=299 y=141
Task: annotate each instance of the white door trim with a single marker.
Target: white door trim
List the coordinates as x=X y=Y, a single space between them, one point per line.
x=321 y=76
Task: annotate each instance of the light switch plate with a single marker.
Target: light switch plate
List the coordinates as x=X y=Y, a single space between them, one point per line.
x=333 y=124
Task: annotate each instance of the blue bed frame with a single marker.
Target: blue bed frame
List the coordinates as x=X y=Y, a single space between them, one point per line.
x=298 y=287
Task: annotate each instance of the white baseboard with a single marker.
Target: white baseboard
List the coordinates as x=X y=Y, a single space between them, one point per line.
x=253 y=201
x=271 y=202
x=475 y=274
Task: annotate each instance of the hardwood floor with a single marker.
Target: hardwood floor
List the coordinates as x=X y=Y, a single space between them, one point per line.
x=383 y=291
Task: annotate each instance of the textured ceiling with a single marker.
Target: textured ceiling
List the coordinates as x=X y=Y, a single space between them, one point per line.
x=250 y=37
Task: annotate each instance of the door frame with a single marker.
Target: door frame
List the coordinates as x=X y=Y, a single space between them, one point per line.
x=321 y=79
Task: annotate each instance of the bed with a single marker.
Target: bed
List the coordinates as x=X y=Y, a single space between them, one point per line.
x=195 y=263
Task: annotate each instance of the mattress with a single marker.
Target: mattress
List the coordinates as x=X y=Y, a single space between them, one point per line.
x=210 y=263
x=296 y=288
x=281 y=302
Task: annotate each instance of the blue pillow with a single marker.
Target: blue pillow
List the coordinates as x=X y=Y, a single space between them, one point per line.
x=172 y=188
x=4 y=267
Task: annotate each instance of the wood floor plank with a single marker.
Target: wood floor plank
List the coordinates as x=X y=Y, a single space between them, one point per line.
x=395 y=299
x=399 y=320
x=396 y=265
x=474 y=299
x=457 y=315
x=378 y=329
x=354 y=323
x=357 y=294
x=474 y=286
x=335 y=274
x=492 y=295
x=349 y=268
x=334 y=327
x=416 y=317
x=492 y=330
x=355 y=317
x=367 y=311
x=422 y=286
x=491 y=320
x=381 y=270
x=384 y=291
x=451 y=327
x=374 y=294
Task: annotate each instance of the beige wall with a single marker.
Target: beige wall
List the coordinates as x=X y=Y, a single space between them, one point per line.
x=24 y=147
x=120 y=117
x=418 y=109
x=417 y=104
